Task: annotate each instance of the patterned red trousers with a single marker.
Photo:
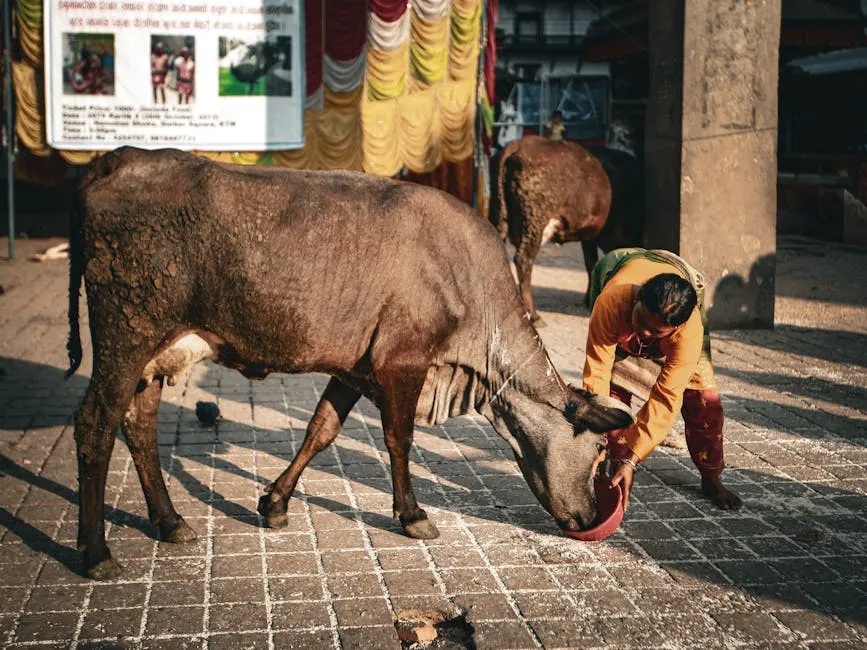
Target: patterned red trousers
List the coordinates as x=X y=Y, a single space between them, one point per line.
x=703 y=418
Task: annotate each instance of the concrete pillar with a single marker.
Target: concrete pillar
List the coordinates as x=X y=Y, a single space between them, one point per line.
x=711 y=137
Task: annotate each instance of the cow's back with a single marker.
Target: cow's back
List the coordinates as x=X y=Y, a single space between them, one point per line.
x=262 y=256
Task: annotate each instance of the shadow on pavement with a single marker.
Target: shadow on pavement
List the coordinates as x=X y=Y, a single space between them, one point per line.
x=768 y=550
x=39 y=542
x=831 y=345
x=814 y=388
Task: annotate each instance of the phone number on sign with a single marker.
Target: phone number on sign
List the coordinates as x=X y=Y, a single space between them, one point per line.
x=172 y=138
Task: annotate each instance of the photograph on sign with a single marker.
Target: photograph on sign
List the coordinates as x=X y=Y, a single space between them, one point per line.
x=219 y=76
x=259 y=68
x=88 y=64
x=173 y=60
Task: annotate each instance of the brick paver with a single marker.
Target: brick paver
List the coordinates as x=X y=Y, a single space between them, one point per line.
x=787 y=571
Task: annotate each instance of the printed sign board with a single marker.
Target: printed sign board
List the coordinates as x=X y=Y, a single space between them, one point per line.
x=217 y=76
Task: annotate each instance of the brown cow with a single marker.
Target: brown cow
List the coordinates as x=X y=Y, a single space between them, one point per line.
x=548 y=191
x=397 y=291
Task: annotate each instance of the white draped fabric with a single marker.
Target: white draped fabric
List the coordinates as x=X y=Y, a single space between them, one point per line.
x=385 y=36
x=430 y=10
x=343 y=76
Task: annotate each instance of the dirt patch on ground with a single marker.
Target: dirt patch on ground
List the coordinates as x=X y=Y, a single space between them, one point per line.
x=433 y=629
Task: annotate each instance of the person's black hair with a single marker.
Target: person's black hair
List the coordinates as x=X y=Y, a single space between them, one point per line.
x=669 y=296
x=557 y=114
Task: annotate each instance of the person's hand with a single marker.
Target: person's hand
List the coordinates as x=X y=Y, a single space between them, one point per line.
x=624 y=475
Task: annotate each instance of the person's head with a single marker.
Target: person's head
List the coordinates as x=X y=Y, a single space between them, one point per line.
x=159 y=48
x=664 y=303
x=185 y=52
x=556 y=117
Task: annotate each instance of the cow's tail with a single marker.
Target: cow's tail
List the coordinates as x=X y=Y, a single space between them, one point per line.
x=98 y=169
x=500 y=215
x=76 y=272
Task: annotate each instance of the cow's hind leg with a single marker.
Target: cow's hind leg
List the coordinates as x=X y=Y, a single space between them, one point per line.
x=402 y=388
x=140 y=427
x=336 y=403
x=528 y=248
x=106 y=400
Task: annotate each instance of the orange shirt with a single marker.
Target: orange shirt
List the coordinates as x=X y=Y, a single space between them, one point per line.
x=611 y=324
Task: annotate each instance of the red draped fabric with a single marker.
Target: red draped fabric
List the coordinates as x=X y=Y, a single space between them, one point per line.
x=492 y=10
x=313 y=33
x=454 y=178
x=345 y=28
x=389 y=10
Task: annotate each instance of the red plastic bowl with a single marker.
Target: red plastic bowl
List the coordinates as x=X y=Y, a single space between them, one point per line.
x=609 y=501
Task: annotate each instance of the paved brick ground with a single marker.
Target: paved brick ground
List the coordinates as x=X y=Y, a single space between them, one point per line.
x=788 y=571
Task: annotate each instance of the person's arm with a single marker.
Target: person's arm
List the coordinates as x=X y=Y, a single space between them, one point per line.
x=656 y=417
x=602 y=343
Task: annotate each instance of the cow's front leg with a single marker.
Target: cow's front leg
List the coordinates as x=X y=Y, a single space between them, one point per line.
x=398 y=415
x=140 y=428
x=333 y=408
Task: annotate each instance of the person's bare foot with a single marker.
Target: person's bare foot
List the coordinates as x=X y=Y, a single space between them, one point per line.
x=719 y=494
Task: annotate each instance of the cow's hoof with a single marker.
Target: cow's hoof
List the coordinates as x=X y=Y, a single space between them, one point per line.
x=180 y=533
x=421 y=529
x=277 y=520
x=108 y=569
x=273 y=510
x=538 y=323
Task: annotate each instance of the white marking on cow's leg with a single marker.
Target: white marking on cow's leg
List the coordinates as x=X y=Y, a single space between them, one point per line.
x=550 y=230
x=177 y=358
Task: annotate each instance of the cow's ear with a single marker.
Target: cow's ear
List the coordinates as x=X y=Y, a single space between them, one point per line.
x=598 y=413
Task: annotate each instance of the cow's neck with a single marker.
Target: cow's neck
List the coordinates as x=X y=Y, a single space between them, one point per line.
x=524 y=393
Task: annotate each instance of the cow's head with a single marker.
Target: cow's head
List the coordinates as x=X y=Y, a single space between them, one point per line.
x=559 y=459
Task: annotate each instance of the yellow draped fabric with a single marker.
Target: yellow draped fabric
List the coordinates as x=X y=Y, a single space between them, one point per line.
x=236 y=157
x=31 y=12
x=419 y=123
x=428 y=50
x=381 y=138
x=30 y=39
x=387 y=72
x=466 y=26
x=29 y=109
x=420 y=130
x=350 y=99
x=80 y=157
x=458 y=110
x=333 y=141
x=27 y=79
x=338 y=138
